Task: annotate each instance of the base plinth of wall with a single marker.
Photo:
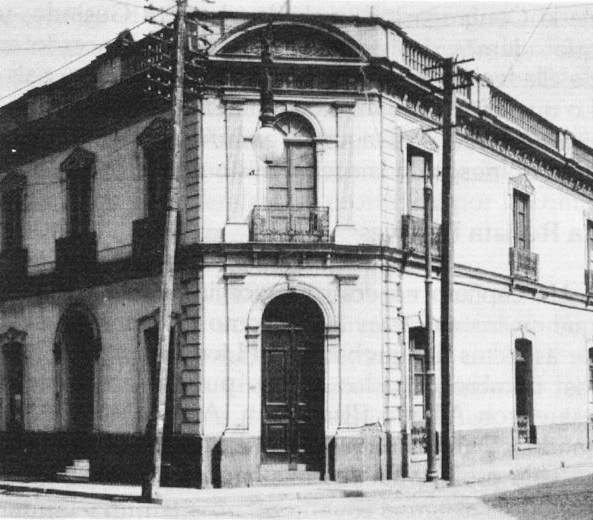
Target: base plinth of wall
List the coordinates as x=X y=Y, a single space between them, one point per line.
x=357 y=454
x=121 y=458
x=491 y=453
x=239 y=459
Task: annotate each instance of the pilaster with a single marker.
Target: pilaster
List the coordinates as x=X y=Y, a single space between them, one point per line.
x=345 y=232
x=236 y=228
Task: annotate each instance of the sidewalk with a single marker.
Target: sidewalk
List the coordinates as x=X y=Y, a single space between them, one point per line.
x=321 y=490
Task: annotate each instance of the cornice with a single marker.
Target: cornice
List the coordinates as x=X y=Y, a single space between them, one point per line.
x=330 y=258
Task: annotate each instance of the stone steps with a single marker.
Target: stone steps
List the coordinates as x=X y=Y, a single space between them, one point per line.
x=78 y=471
x=273 y=475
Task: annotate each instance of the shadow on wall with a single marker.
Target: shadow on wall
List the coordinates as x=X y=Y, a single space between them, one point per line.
x=215 y=461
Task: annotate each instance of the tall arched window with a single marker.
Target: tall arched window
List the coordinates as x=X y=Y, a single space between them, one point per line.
x=292 y=180
x=12 y=362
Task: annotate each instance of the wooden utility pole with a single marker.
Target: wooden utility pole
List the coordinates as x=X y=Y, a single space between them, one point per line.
x=447 y=274
x=151 y=486
x=431 y=472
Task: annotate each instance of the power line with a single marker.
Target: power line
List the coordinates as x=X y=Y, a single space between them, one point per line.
x=492 y=13
x=121 y=2
x=74 y=60
x=525 y=44
x=49 y=47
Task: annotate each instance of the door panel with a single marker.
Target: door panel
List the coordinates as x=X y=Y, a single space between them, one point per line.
x=292 y=396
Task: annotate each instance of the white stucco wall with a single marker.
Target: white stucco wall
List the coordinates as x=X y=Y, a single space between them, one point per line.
x=120 y=404
x=118 y=198
x=355 y=309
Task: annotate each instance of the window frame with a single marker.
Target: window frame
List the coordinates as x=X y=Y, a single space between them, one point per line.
x=590 y=372
x=14 y=354
x=290 y=144
x=162 y=178
x=521 y=197
x=79 y=188
x=12 y=221
x=12 y=344
x=524 y=347
x=415 y=151
x=144 y=388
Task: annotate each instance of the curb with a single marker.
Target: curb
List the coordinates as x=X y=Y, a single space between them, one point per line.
x=70 y=492
x=313 y=494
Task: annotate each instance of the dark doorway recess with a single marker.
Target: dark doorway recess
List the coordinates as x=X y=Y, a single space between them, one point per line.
x=80 y=344
x=293 y=383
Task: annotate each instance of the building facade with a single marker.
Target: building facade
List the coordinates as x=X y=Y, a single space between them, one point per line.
x=298 y=340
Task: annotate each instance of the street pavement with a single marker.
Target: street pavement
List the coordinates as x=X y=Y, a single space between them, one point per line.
x=559 y=494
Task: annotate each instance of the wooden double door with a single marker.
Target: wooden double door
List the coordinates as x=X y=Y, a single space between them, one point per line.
x=293 y=389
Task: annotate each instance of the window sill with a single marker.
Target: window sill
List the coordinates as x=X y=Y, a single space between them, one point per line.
x=526 y=447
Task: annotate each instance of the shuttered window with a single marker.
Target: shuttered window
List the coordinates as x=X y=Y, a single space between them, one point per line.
x=79 y=201
x=521 y=221
x=419 y=166
x=12 y=219
x=292 y=179
x=158 y=159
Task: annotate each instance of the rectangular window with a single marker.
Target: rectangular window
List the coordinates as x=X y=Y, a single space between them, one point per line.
x=417 y=347
x=524 y=392
x=79 y=201
x=12 y=219
x=419 y=166
x=13 y=357
x=158 y=157
x=590 y=246
x=591 y=382
x=521 y=224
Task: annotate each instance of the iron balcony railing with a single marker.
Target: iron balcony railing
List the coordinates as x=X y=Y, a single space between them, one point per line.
x=523 y=264
x=413 y=235
x=305 y=224
x=523 y=429
x=148 y=240
x=13 y=267
x=76 y=255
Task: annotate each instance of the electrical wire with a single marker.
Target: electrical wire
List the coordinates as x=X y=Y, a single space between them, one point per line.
x=492 y=13
x=49 y=47
x=78 y=58
x=121 y=2
x=510 y=70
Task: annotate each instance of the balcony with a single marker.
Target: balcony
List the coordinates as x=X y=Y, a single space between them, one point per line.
x=148 y=239
x=296 y=224
x=523 y=264
x=76 y=256
x=413 y=235
x=13 y=268
x=523 y=429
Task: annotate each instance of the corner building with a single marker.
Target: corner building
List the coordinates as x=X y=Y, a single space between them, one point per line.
x=298 y=348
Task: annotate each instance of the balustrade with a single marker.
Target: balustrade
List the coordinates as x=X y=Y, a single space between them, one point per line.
x=523 y=264
x=413 y=235
x=290 y=224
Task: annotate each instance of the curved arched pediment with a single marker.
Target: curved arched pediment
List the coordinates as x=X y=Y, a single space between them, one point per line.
x=294 y=41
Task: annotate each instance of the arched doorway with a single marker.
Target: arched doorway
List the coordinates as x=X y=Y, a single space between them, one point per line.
x=77 y=348
x=293 y=385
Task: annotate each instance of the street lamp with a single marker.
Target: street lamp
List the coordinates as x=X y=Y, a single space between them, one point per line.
x=268 y=141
